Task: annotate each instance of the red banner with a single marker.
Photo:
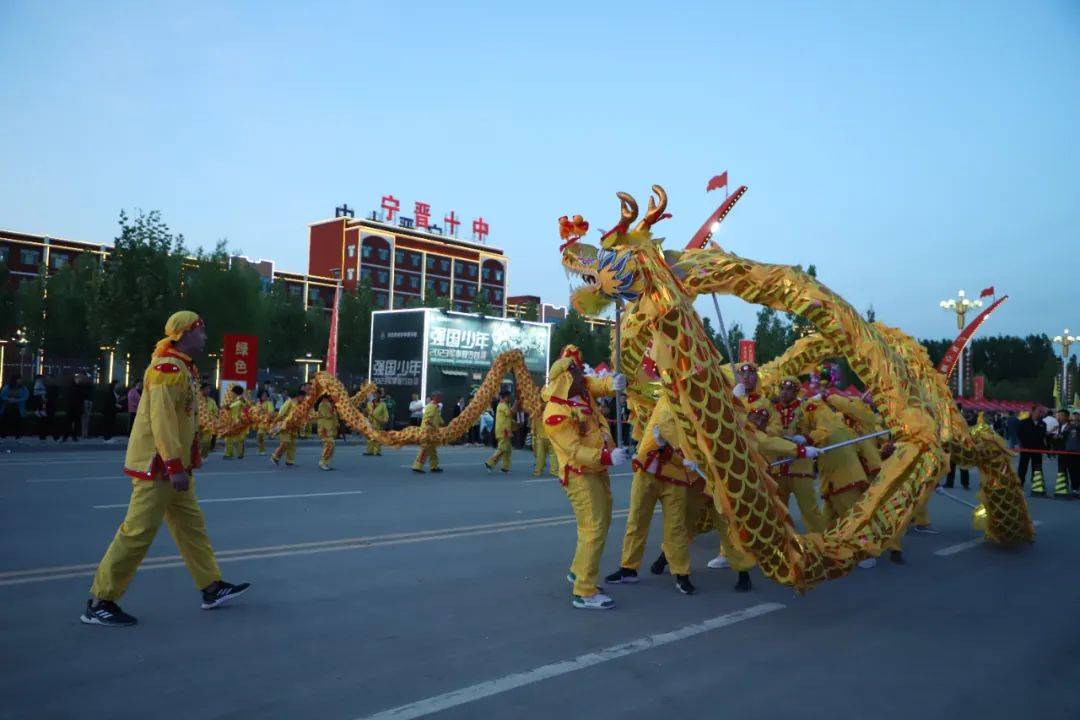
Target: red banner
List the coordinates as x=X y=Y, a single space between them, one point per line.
x=241 y=359
x=331 y=347
x=747 y=350
x=952 y=355
x=978 y=385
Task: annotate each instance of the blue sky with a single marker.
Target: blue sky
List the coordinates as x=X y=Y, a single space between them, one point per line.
x=907 y=149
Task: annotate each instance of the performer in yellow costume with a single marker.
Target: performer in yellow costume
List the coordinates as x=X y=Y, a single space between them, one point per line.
x=660 y=474
x=429 y=451
x=543 y=449
x=379 y=416
x=234 y=444
x=161 y=454
x=583 y=444
x=328 y=426
x=504 y=429
x=268 y=406
x=286 y=439
x=788 y=420
x=842 y=477
x=206 y=435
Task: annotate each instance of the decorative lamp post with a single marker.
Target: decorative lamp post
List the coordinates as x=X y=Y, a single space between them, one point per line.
x=1065 y=341
x=960 y=306
x=306 y=362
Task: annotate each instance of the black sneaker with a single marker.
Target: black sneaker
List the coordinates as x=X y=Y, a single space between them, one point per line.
x=106 y=613
x=897 y=557
x=417 y=470
x=659 y=565
x=436 y=469
x=505 y=470
x=624 y=576
x=682 y=582
x=744 y=582
x=224 y=592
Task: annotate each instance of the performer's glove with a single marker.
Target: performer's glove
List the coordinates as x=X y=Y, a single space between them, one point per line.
x=811 y=451
x=616 y=457
x=691 y=466
x=739 y=390
x=618 y=381
x=798 y=439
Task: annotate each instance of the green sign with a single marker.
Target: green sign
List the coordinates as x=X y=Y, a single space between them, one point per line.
x=469 y=342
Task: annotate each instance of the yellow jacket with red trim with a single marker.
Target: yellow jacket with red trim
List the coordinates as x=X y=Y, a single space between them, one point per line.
x=378 y=414
x=432 y=417
x=326 y=417
x=663 y=463
x=579 y=434
x=838 y=469
x=862 y=421
x=164 y=434
x=791 y=420
x=504 y=425
x=282 y=413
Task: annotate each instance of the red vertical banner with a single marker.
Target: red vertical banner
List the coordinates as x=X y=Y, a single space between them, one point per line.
x=240 y=361
x=978 y=384
x=747 y=351
x=331 y=348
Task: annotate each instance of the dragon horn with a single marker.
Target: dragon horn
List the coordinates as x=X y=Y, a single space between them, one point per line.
x=656 y=210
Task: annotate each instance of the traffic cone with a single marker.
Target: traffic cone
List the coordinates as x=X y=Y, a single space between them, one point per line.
x=1037 y=486
x=1061 y=486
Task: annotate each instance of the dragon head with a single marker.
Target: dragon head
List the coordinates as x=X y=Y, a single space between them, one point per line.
x=612 y=271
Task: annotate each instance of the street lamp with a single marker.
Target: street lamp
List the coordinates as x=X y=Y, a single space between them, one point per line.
x=960 y=306
x=307 y=361
x=1065 y=341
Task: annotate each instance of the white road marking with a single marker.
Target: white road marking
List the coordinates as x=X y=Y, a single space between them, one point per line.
x=20 y=577
x=120 y=476
x=203 y=501
x=966 y=545
x=507 y=683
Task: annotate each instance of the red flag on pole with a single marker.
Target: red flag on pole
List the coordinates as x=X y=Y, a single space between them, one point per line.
x=331 y=348
x=987 y=292
x=717 y=182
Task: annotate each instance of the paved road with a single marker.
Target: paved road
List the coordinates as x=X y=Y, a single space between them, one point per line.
x=377 y=589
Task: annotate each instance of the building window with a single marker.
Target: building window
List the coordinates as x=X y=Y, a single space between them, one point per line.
x=498 y=296
x=384 y=254
x=414 y=282
x=296 y=290
x=381 y=300
x=29 y=257
x=349 y=274
x=398 y=279
x=365 y=273
x=3 y=254
x=350 y=250
x=445 y=265
x=58 y=261
x=498 y=275
x=486 y=274
x=399 y=257
x=365 y=252
x=382 y=276
x=444 y=286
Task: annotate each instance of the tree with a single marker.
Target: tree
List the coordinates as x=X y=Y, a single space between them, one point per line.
x=771 y=335
x=531 y=312
x=71 y=329
x=354 y=328
x=9 y=320
x=227 y=295
x=439 y=302
x=285 y=326
x=30 y=310
x=480 y=304
x=800 y=327
x=140 y=286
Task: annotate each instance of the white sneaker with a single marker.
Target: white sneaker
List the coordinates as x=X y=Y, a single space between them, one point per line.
x=325 y=467
x=599 y=601
x=718 y=563
x=867 y=563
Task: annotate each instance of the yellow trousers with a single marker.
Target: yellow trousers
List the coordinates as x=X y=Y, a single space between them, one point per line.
x=503 y=451
x=373 y=447
x=840 y=504
x=260 y=440
x=235 y=445
x=805 y=498
x=327 y=437
x=645 y=491
x=590 y=497
x=151 y=502
x=428 y=453
x=286 y=447
x=922 y=511
x=697 y=504
x=544 y=450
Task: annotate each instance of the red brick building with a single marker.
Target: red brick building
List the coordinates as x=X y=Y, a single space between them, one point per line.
x=404 y=265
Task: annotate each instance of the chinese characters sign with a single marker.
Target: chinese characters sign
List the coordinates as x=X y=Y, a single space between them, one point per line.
x=747 y=350
x=469 y=342
x=390 y=209
x=241 y=359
